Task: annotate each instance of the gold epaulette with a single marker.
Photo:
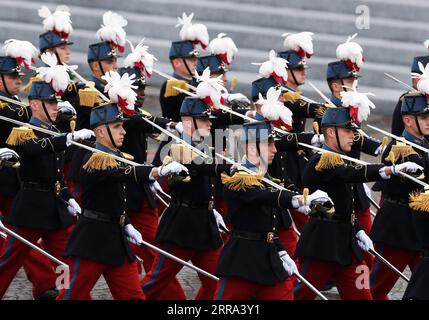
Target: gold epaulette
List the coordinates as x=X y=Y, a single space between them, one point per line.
x=182 y=154
x=3 y=104
x=329 y=161
x=242 y=180
x=420 y=201
x=27 y=87
x=145 y=113
x=400 y=150
x=171 y=92
x=101 y=161
x=321 y=110
x=20 y=135
x=127 y=156
x=291 y=96
x=89 y=97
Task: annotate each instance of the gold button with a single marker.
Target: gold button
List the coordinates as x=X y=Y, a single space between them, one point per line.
x=274 y=228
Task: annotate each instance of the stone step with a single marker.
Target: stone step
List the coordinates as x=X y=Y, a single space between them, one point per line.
x=267 y=16
x=267 y=25
x=375 y=50
x=372 y=72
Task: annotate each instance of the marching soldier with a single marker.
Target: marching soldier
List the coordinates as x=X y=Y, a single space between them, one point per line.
x=254 y=262
x=183 y=56
x=393 y=229
x=331 y=243
x=98 y=245
x=36 y=266
x=43 y=207
x=189 y=227
x=342 y=76
x=397 y=124
x=102 y=58
x=141 y=203
x=417 y=288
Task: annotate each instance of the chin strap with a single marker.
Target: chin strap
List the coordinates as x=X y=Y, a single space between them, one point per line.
x=110 y=135
x=187 y=68
x=338 y=140
x=4 y=85
x=46 y=113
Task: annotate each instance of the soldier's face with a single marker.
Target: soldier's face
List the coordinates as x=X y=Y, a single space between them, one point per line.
x=268 y=151
x=411 y=126
x=12 y=82
x=39 y=113
x=299 y=76
x=180 y=66
x=346 y=137
x=110 y=64
x=424 y=124
x=140 y=95
x=204 y=126
x=63 y=53
x=118 y=134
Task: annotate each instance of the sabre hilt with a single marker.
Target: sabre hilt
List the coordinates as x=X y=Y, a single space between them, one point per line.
x=234 y=82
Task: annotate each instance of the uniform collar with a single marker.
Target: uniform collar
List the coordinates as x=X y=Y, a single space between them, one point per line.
x=336 y=101
x=326 y=147
x=98 y=84
x=100 y=147
x=412 y=138
x=178 y=77
x=41 y=124
x=259 y=117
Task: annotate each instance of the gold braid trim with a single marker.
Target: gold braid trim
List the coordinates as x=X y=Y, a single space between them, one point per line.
x=419 y=201
x=20 y=135
x=3 y=104
x=400 y=150
x=171 y=92
x=101 y=161
x=89 y=97
x=242 y=180
x=329 y=161
x=292 y=96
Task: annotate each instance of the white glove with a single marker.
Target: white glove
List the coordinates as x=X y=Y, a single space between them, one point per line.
x=179 y=127
x=133 y=235
x=155 y=187
x=406 y=167
x=318 y=196
x=364 y=242
x=73 y=207
x=6 y=154
x=82 y=134
x=66 y=107
x=172 y=167
x=318 y=140
x=220 y=223
x=304 y=210
x=288 y=263
x=235 y=96
x=380 y=149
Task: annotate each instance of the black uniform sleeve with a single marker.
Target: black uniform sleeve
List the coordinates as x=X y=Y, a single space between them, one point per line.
x=289 y=142
x=171 y=106
x=128 y=174
x=397 y=124
x=303 y=109
x=352 y=173
x=225 y=118
x=208 y=169
x=41 y=146
x=367 y=145
x=273 y=197
x=137 y=122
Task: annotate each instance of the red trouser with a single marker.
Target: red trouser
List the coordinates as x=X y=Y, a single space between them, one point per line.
x=382 y=277
x=164 y=270
x=36 y=266
x=289 y=239
x=146 y=222
x=346 y=278
x=299 y=219
x=236 y=288
x=14 y=252
x=365 y=221
x=123 y=281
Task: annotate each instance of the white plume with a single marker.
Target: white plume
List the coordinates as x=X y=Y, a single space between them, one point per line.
x=141 y=58
x=58 y=21
x=273 y=109
x=423 y=83
x=112 y=29
x=351 y=51
x=301 y=42
x=197 y=33
x=356 y=100
x=23 y=51
x=223 y=47
x=275 y=66
x=210 y=88
x=120 y=90
x=54 y=74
